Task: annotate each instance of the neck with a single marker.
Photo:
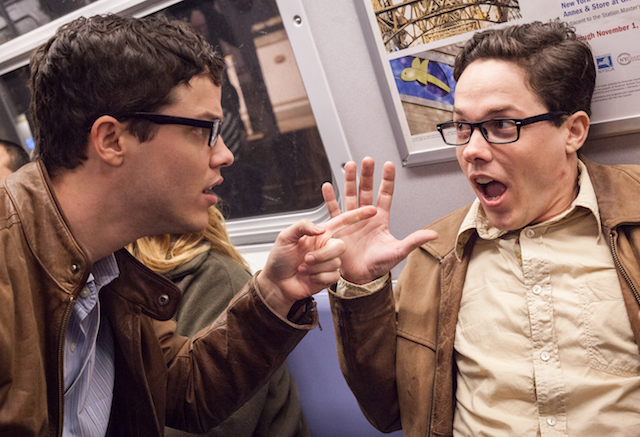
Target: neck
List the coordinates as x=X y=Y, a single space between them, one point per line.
x=564 y=198
x=95 y=218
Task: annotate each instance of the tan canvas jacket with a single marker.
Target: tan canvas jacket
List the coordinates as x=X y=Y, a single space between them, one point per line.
x=160 y=377
x=396 y=348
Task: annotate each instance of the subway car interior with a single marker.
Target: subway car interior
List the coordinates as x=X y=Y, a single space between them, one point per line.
x=303 y=94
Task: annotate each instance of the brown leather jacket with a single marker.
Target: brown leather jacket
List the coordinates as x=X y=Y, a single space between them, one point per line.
x=160 y=377
x=396 y=347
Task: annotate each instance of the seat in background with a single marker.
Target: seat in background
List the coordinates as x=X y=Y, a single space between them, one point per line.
x=330 y=407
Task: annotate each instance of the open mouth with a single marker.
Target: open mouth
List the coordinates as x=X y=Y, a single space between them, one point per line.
x=209 y=191
x=491 y=189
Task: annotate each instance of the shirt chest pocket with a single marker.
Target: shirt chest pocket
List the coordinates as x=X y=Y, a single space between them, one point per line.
x=608 y=337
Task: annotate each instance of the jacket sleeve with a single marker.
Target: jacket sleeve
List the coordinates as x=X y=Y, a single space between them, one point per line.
x=213 y=374
x=274 y=411
x=208 y=283
x=365 y=329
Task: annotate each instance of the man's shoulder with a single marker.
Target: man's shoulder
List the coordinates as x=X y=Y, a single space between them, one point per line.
x=612 y=170
x=8 y=214
x=25 y=197
x=617 y=188
x=612 y=177
x=22 y=188
x=13 y=195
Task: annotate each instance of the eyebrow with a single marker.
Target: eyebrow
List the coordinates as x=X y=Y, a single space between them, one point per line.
x=209 y=116
x=491 y=113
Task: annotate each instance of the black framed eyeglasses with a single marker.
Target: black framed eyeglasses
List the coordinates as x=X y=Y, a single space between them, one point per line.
x=494 y=130
x=212 y=125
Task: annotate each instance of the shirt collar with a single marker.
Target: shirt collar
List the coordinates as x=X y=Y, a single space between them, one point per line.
x=477 y=220
x=104 y=271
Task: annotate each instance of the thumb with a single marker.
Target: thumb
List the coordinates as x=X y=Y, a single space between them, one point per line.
x=416 y=240
x=293 y=233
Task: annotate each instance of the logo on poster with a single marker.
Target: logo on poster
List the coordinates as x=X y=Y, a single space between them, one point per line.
x=604 y=63
x=626 y=58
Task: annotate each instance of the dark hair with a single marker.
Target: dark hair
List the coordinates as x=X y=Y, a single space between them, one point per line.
x=558 y=65
x=17 y=155
x=109 y=65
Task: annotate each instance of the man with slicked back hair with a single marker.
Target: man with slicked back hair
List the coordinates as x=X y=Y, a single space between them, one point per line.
x=521 y=318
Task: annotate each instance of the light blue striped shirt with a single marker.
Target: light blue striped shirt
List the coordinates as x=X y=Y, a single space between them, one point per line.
x=89 y=371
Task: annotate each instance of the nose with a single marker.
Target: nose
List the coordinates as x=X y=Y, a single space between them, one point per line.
x=221 y=156
x=476 y=149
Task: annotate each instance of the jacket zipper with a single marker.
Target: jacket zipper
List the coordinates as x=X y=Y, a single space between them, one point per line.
x=623 y=272
x=63 y=329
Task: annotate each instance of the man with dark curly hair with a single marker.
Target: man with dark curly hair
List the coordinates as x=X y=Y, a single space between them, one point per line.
x=127 y=118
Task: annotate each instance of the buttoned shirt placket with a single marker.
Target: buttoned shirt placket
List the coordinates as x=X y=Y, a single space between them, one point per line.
x=549 y=384
x=89 y=358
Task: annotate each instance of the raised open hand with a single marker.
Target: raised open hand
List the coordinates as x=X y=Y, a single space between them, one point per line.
x=305 y=259
x=371 y=251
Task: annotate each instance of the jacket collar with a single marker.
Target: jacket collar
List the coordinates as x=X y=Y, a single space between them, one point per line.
x=155 y=295
x=617 y=189
x=447 y=228
x=45 y=229
x=65 y=262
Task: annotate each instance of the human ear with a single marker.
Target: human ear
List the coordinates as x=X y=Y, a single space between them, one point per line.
x=578 y=128
x=106 y=140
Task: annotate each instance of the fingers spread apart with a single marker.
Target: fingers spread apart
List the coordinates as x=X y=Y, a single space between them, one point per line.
x=363 y=194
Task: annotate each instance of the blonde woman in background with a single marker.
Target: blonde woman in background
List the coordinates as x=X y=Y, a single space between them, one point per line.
x=209 y=271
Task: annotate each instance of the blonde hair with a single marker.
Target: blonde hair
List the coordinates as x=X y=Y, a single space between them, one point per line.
x=162 y=253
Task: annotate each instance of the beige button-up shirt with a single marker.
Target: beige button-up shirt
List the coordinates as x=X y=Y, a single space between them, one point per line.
x=543 y=342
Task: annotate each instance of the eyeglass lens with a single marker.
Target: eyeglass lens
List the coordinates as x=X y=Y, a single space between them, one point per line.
x=214 y=133
x=494 y=131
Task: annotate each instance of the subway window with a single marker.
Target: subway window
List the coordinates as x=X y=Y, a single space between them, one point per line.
x=14 y=111
x=280 y=160
x=17 y=17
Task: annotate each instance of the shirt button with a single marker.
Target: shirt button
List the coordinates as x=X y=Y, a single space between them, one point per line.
x=551 y=421
x=85 y=293
x=530 y=233
x=545 y=356
x=73 y=347
x=536 y=289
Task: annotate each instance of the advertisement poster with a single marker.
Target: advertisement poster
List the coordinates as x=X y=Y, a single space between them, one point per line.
x=415 y=43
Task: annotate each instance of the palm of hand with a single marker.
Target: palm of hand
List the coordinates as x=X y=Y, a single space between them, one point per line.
x=371 y=250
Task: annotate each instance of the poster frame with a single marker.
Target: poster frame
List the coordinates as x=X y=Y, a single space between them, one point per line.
x=434 y=150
